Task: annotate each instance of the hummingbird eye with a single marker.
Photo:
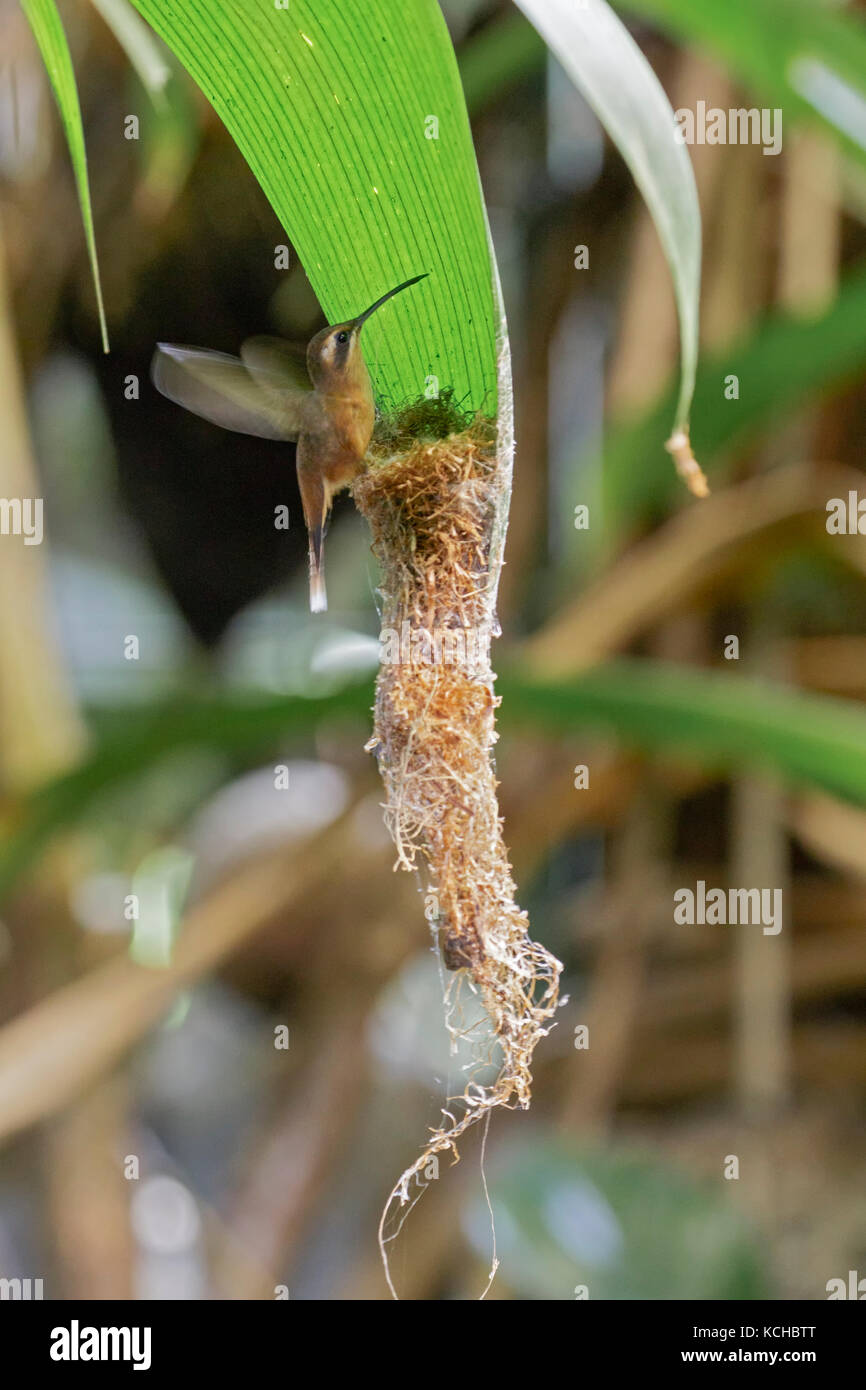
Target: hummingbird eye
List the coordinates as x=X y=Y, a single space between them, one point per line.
x=342 y=336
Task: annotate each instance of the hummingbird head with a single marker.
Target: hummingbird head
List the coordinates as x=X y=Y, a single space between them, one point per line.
x=335 y=353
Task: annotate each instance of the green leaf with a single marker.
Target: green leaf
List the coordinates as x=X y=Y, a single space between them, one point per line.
x=783 y=364
x=808 y=58
x=332 y=105
x=169 y=134
x=500 y=55
x=160 y=884
x=169 y=139
x=130 y=744
x=138 y=44
x=48 y=31
x=720 y=719
x=725 y=720
x=602 y=58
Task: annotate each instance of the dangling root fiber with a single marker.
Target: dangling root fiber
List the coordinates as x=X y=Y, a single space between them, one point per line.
x=432 y=508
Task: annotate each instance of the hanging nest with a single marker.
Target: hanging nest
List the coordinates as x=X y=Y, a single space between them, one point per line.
x=432 y=504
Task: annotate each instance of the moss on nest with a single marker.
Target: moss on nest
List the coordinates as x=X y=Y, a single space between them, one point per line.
x=422 y=421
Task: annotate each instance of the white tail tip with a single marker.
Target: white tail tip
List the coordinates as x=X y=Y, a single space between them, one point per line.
x=318 y=596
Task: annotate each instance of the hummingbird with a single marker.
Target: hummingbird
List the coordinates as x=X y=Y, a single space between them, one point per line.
x=327 y=407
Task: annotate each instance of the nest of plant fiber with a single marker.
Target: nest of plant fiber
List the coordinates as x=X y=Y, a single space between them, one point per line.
x=432 y=504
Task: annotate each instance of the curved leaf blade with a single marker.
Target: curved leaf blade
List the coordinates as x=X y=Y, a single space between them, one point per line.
x=785 y=362
x=808 y=58
x=723 y=720
x=353 y=120
x=717 y=718
x=603 y=60
x=492 y=61
x=48 y=31
x=138 y=44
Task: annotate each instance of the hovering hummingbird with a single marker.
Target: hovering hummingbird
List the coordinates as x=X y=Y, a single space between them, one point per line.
x=267 y=392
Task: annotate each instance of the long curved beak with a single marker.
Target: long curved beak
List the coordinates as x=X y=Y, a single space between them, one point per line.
x=361 y=319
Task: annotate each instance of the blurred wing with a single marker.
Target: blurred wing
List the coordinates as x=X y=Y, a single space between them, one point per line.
x=276 y=366
x=275 y=362
x=219 y=388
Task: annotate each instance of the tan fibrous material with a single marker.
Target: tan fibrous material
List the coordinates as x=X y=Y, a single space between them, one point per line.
x=680 y=448
x=432 y=511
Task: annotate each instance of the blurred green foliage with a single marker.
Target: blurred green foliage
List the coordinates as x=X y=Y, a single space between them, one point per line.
x=720 y=719
x=617 y=1224
x=48 y=31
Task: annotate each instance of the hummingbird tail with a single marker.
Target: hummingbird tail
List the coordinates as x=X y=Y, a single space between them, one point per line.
x=318 y=596
x=315 y=496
